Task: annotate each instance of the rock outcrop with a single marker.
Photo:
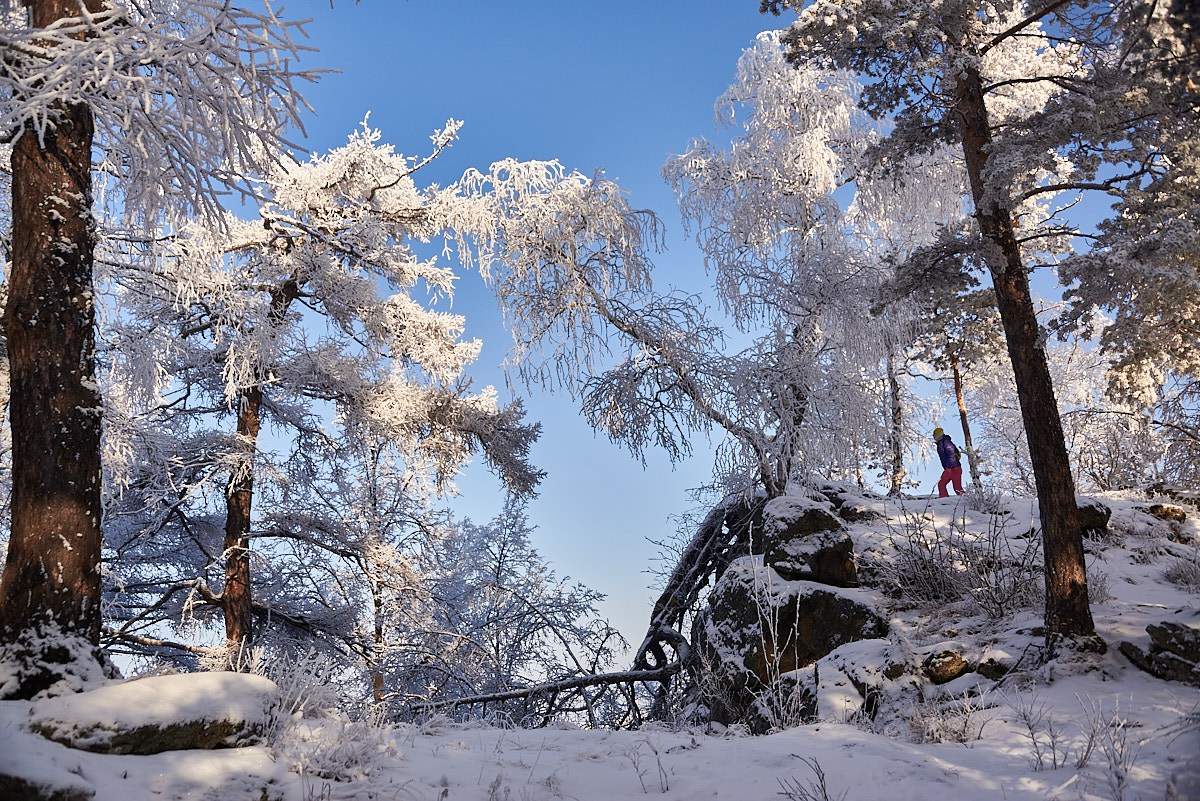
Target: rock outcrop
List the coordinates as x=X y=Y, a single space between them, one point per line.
x=782 y=609
x=135 y=719
x=170 y=713
x=1093 y=519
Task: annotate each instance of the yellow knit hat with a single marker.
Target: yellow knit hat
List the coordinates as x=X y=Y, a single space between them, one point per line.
x=937 y=433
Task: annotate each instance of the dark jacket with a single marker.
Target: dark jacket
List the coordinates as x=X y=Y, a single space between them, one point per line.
x=948 y=453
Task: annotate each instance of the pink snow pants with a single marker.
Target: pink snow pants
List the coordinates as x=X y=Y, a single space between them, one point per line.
x=948 y=475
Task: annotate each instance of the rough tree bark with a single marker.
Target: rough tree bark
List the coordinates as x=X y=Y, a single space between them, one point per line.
x=1067 y=611
x=50 y=589
x=239 y=496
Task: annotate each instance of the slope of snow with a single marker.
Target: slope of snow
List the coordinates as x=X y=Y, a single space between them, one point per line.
x=1084 y=728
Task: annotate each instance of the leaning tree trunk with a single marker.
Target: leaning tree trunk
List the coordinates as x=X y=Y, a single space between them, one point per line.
x=1067 y=611
x=968 y=445
x=50 y=590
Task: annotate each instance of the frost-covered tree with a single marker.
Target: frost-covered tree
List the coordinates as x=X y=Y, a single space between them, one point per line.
x=958 y=331
x=505 y=620
x=1035 y=95
x=1112 y=446
x=312 y=309
x=898 y=217
x=1143 y=271
x=167 y=101
x=776 y=239
x=806 y=396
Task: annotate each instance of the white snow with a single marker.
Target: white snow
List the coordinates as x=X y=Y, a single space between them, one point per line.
x=89 y=718
x=1022 y=739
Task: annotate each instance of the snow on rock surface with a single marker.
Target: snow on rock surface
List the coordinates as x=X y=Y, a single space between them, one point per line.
x=791 y=516
x=1009 y=728
x=161 y=713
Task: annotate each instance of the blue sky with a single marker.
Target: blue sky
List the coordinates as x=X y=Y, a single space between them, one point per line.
x=617 y=86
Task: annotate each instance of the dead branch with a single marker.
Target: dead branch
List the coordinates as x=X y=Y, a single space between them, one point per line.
x=555 y=688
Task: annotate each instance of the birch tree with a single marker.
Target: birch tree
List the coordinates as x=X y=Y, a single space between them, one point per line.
x=163 y=100
x=801 y=237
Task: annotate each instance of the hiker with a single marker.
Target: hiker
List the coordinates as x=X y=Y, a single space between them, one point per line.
x=951 y=466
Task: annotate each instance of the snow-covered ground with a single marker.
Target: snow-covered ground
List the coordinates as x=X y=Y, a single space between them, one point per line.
x=1085 y=728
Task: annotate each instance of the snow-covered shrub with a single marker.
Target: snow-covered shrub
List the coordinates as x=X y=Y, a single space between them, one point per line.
x=923 y=568
x=312 y=733
x=987 y=499
x=310 y=687
x=338 y=750
x=1099 y=586
x=1119 y=747
x=936 y=565
x=956 y=719
x=1183 y=572
x=1046 y=735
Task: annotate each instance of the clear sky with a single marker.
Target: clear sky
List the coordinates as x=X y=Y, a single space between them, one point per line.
x=614 y=85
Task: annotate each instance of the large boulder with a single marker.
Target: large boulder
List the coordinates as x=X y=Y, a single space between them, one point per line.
x=866 y=679
x=1168 y=512
x=758 y=627
x=162 y=713
x=826 y=557
x=793 y=517
x=1093 y=519
x=804 y=540
x=850 y=504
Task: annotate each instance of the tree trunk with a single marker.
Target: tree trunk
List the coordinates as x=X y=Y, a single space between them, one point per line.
x=968 y=445
x=239 y=496
x=1067 y=611
x=375 y=663
x=50 y=589
x=237 y=601
x=896 y=474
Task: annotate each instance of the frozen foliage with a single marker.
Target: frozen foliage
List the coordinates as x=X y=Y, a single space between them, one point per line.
x=502 y=620
x=151 y=107
x=1044 y=105
x=311 y=314
x=188 y=96
x=984 y=566
x=1112 y=445
x=801 y=266
x=1080 y=97
x=783 y=251
x=1144 y=267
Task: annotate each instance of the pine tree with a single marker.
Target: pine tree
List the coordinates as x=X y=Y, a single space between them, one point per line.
x=83 y=81
x=1033 y=96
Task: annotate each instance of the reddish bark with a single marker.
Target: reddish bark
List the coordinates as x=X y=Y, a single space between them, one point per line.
x=51 y=580
x=237 y=601
x=1067 y=611
x=239 y=495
